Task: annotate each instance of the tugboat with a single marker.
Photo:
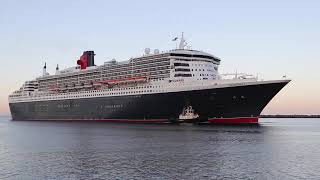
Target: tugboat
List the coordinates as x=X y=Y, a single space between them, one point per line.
x=188 y=115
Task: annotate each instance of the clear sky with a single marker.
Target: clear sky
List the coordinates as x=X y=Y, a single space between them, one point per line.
x=270 y=38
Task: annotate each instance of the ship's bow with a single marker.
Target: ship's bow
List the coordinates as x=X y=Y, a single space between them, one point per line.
x=243 y=104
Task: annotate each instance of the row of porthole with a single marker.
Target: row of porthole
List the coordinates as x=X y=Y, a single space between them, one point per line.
x=86 y=95
x=46 y=84
x=85 y=78
x=200 y=69
x=136 y=66
x=94 y=95
x=108 y=90
x=144 y=66
x=111 y=106
x=206 y=65
x=140 y=87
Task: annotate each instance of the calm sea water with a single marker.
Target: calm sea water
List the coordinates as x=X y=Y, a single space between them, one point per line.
x=276 y=149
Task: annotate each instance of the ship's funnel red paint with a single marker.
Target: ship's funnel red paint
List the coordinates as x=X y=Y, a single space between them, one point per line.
x=86 y=60
x=83 y=61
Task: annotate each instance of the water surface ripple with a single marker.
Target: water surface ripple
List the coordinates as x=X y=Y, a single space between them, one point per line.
x=276 y=149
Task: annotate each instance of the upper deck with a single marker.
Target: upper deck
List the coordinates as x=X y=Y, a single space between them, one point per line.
x=169 y=65
x=152 y=66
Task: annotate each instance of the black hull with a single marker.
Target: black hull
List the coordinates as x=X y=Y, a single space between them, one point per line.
x=229 y=102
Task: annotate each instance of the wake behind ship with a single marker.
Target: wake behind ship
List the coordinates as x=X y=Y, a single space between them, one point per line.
x=180 y=85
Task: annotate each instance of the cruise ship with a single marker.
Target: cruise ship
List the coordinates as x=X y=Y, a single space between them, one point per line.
x=175 y=86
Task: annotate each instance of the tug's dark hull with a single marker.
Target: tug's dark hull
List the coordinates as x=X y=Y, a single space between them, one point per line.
x=239 y=104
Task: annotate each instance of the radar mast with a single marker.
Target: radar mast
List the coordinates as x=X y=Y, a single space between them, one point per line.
x=183 y=42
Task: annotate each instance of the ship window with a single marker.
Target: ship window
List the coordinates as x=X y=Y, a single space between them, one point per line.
x=182 y=70
x=181 y=64
x=182 y=75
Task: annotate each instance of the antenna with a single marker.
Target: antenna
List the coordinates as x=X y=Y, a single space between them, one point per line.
x=236 y=75
x=182 y=42
x=44 y=72
x=57 y=69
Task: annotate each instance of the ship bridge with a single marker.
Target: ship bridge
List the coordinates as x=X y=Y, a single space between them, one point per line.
x=194 y=54
x=193 y=65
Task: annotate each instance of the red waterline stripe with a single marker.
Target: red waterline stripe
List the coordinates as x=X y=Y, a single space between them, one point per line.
x=106 y=120
x=234 y=120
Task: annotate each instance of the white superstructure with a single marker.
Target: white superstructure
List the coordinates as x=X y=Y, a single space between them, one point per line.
x=175 y=70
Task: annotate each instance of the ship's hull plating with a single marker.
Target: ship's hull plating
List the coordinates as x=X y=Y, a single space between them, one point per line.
x=239 y=104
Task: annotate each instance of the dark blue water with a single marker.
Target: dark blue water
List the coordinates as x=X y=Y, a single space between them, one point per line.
x=277 y=149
